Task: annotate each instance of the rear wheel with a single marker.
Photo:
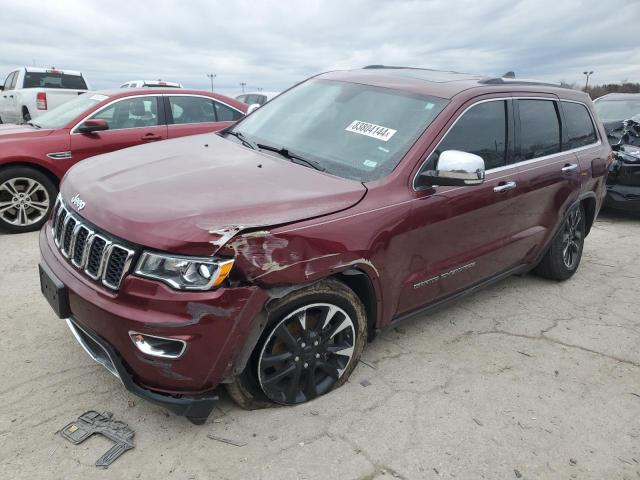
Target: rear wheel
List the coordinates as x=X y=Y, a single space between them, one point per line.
x=311 y=345
x=563 y=257
x=26 y=198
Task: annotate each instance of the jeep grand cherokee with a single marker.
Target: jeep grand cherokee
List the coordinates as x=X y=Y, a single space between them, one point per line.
x=265 y=257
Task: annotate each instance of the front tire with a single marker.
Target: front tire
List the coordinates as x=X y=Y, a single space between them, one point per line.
x=26 y=199
x=563 y=257
x=313 y=341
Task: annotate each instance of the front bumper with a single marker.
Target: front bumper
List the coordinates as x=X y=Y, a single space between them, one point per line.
x=214 y=324
x=197 y=408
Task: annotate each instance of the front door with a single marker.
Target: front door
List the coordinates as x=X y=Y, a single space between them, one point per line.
x=132 y=121
x=463 y=235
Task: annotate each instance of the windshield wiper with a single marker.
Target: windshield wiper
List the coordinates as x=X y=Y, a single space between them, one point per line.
x=286 y=153
x=245 y=141
x=34 y=125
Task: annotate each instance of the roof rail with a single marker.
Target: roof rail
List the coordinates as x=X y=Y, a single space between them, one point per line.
x=517 y=81
x=372 y=67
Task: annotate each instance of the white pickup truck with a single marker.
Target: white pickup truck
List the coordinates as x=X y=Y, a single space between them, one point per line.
x=29 y=92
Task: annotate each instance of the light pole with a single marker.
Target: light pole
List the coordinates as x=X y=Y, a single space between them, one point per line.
x=211 y=76
x=586 y=84
x=243 y=84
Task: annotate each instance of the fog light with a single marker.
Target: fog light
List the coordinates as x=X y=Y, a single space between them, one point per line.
x=158 y=346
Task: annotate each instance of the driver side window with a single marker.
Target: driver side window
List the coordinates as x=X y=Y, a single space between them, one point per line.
x=482 y=130
x=130 y=113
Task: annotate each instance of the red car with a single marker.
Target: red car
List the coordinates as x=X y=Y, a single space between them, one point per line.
x=265 y=257
x=34 y=157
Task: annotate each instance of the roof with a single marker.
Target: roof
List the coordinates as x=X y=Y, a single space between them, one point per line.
x=125 y=92
x=444 y=84
x=51 y=70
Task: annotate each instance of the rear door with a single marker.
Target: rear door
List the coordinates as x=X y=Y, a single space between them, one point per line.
x=550 y=174
x=192 y=114
x=132 y=121
x=463 y=235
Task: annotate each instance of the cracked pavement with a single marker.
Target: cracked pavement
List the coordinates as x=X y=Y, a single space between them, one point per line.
x=526 y=379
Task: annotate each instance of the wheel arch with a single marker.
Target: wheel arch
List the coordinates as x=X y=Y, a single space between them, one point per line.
x=588 y=202
x=26 y=164
x=362 y=285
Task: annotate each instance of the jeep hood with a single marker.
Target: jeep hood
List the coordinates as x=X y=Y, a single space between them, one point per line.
x=191 y=195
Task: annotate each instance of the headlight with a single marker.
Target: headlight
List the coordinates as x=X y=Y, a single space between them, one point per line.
x=184 y=273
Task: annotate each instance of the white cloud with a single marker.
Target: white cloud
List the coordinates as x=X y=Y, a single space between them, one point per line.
x=275 y=44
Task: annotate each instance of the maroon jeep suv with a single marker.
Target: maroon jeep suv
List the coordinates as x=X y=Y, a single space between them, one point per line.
x=265 y=257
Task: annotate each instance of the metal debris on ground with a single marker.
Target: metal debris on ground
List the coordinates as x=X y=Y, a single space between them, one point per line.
x=517 y=472
x=93 y=422
x=478 y=422
x=236 y=443
x=525 y=354
x=365 y=383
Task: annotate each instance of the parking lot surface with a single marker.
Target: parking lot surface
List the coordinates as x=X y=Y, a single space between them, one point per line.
x=526 y=379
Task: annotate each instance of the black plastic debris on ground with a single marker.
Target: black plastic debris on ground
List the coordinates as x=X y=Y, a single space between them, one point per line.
x=93 y=422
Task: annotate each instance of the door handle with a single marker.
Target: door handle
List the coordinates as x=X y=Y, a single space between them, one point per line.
x=569 y=167
x=504 y=187
x=151 y=137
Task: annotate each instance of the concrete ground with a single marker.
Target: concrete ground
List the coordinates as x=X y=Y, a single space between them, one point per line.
x=526 y=379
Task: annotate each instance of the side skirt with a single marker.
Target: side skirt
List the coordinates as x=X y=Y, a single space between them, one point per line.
x=446 y=300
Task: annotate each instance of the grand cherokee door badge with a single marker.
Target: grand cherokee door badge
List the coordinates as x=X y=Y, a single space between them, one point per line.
x=450 y=273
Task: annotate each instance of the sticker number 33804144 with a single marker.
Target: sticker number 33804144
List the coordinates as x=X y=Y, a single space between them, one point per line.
x=371 y=130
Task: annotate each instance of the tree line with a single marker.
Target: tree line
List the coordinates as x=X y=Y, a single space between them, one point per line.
x=596 y=91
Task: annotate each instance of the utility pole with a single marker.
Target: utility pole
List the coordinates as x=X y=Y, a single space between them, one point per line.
x=586 y=84
x=243 y=84
x=211 y=77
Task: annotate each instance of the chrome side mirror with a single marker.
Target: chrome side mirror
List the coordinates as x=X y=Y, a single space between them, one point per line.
x=455 y=168
x=252 y=108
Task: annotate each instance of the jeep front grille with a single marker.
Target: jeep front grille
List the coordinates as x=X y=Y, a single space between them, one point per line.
x=98 y=255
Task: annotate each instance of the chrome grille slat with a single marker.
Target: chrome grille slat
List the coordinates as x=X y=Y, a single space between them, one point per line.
x=97 y=255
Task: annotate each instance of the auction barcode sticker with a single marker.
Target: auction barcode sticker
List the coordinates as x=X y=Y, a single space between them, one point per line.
x=371 y=130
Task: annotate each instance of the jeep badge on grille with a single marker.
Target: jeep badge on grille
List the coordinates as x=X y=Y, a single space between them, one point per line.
x=78 y=202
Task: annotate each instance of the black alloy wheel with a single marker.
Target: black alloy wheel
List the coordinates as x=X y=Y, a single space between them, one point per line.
x=306 y=353
x=572 y=238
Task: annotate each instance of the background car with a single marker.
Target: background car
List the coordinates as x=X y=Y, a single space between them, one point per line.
x=257 y=97
x=29 y=92
x=150 y=84
x=34 y=157
x=614 y=108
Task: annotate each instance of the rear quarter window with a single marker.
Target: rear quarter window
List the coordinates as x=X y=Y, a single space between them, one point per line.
x=578 y=125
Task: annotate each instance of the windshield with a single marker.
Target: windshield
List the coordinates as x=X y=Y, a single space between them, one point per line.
x=350 y=130
x=62 y=115
x=53 y=79
x=617 y=110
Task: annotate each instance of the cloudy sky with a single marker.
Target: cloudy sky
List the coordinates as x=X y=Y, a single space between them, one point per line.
x=274 y=44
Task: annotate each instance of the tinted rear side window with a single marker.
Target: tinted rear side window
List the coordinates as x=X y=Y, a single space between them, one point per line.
x=53 y=80
x=482 y=130
x=226 y=114
x=539 y=128
x=578 y=125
